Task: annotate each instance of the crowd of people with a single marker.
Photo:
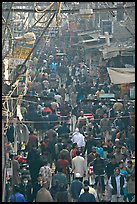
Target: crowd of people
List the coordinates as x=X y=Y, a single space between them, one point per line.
x=62 y=145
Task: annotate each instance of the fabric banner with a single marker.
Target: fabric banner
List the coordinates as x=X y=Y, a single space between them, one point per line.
x=121 y=75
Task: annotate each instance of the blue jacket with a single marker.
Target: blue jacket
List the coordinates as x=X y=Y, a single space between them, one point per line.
x=18 y=198
x=100 y=151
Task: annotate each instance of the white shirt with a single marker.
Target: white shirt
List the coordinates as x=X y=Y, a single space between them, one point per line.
x=91 y=190
x=79 y=139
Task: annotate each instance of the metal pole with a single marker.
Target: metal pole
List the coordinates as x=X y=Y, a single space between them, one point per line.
x=6 y=23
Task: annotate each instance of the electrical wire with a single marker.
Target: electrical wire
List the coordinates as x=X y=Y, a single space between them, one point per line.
x=3 y=42
x=41 y=11
x=40 y=17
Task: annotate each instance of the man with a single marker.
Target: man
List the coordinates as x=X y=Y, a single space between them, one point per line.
x=16 y=169
x=91 y=156
x=91 y=190
x=86 y=196
x=34 y=162
x=111 y=166
x=82 y=121
x=37 y=186
x=33 y=141
x=65 y=152
x=63 y=129
x=105 y=125
x=43 y=194
x=46 y=173
x=118 y=154
x=99 y=170
x=117 y=182
x=62 y=92
x=100 y=150
x=60 y=177
x=78 y=138
x=79 y=165
x=17 y=196
x=75 y=187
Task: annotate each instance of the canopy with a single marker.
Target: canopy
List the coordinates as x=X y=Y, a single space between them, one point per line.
x=122 y=75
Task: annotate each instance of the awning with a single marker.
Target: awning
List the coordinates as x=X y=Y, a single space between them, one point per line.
x=121 y=75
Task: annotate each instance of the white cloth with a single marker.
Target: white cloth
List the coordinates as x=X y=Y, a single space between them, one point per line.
x=79 y=139
x=91 y=190
x=79 y=165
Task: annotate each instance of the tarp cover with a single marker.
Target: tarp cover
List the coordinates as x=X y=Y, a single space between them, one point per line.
x=121 y=75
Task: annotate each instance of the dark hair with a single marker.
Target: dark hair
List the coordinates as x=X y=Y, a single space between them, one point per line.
x=86 y=182
x=78 y=152
x=121 y=162
x=86 y=188
x=44 y=161
x=130 y=162
x=39 y=175
x=59 y=168
x=117 y=168
x=112 y=157
x=16 y=188
x=74 y=145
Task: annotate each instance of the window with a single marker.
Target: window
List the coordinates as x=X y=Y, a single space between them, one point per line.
x=107 y=27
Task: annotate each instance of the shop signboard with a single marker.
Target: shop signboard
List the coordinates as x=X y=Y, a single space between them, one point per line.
x=107 y=95
x=22 y=52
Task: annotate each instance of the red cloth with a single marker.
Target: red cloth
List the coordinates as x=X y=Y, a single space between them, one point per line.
x=47 y=109
x=63 y=164
x=33 y=140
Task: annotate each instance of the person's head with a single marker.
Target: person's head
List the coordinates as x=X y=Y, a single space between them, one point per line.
x=120 y=164
x=65 y=146
x=117 y=171
x=86 y=188
x=31 y=132
x=81 y=113
x=78 y=153
x=113 y=159
x=74 y=145
x=99 y=144
x=109 y=142
x=94 y=149
x=59 y=140
x=76 y=130
x=124 y=157
x=59 y=169
x=105 y=115
x=63 y=156
x=16 y=189
x=77 y=175
x=129 y=163
x=86 y=183
x=62 y=187
x=39 y=178
x=118 y=150
x=45 y=162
